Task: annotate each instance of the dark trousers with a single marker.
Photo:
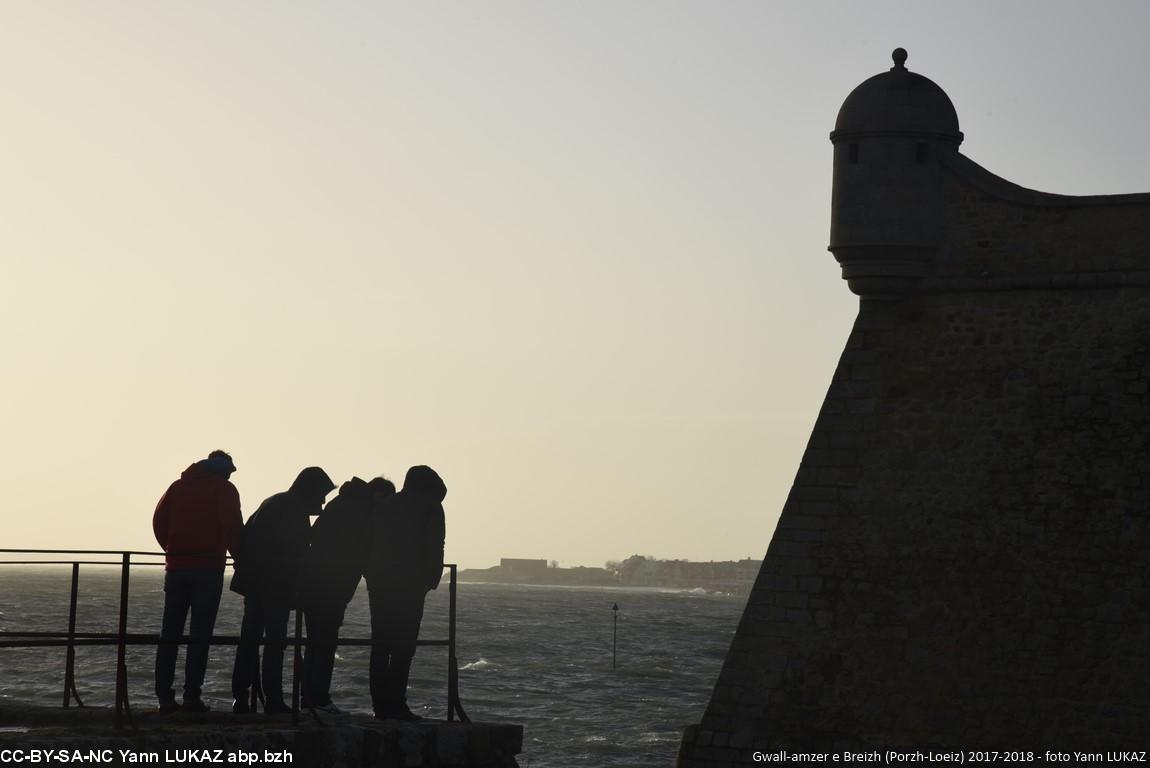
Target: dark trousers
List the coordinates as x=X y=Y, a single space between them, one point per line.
x=395 y=619
x=323 y=623
x=197 y=591
x=265 y=619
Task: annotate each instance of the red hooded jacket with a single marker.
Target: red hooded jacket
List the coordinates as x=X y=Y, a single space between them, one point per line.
x=198 y=520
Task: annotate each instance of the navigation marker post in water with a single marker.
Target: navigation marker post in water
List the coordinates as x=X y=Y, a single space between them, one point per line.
x=614 y=633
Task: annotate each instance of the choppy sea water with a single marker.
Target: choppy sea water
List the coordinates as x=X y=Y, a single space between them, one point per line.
x=537 y=656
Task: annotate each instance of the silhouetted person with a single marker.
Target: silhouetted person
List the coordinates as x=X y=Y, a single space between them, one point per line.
x=404 y=562
x=197 y=522
x=331 y=573
x=274 y=543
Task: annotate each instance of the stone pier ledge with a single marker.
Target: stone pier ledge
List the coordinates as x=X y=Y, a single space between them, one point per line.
x=344 y=741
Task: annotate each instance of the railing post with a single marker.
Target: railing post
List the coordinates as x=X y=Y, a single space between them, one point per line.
x=296 y=666
x=122 y=707
x=452 y=662
x=70 y=658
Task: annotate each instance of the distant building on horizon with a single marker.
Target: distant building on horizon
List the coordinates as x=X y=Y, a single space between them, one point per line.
x=522 y=568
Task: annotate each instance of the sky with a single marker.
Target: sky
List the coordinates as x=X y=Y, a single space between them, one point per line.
x=571 y=255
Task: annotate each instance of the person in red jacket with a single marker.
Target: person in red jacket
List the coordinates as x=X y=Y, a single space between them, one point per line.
x=197 y=522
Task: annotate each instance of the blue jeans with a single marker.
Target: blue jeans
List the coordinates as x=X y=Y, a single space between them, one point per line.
x=197 y=590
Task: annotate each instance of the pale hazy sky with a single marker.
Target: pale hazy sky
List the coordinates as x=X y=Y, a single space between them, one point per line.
x=572 y=255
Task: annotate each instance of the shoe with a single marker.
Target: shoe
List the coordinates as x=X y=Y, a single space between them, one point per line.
x=400 y=712
x=241 y=707
x=168 y=706
x=328 y=709
x=276 y=708
x=195 y=705
x=403 y=713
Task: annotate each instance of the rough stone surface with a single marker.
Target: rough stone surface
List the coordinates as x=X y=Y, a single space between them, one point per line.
x=963 y=559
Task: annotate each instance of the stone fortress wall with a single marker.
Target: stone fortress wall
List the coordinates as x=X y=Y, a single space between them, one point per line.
x=964 y=559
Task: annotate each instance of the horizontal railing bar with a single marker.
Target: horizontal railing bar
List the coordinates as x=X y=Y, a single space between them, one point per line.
x=120 y=552
x=228 y=561
x=69 y=562
x=56 y=643
x=14 y=633
x=143 y=636
x=89 y=552
x=113 y=639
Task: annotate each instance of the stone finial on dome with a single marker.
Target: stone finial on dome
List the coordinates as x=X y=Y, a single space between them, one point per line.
x=898 y=102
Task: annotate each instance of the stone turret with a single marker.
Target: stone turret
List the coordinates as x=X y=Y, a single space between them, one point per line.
x=891 y=135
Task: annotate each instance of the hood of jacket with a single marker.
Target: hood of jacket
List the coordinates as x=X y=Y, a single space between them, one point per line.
x=424 y=481
x=200 y=472
x=312 y=481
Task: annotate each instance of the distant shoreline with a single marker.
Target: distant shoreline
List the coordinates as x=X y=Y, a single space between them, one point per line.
x=735 y=577
x=601 y=588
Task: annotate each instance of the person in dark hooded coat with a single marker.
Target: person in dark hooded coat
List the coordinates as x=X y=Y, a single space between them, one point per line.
x=331 y=573
x=404 y=562
x=272 y=549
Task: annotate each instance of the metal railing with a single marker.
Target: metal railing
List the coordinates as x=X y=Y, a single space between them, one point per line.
x=121 y=638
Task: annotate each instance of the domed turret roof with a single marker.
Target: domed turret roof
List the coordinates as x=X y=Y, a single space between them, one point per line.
x=898 y=102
